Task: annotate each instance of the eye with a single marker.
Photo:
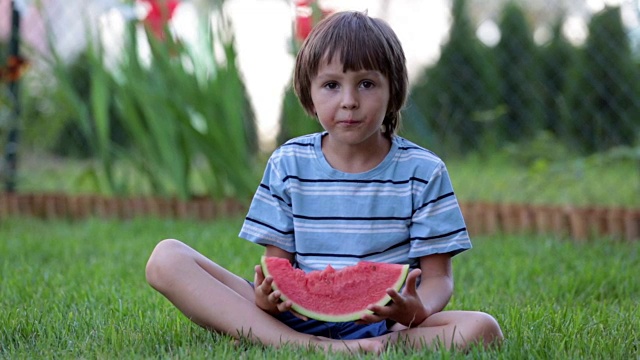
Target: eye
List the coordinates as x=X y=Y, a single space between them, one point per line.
x=367 y=84
x=331 y=85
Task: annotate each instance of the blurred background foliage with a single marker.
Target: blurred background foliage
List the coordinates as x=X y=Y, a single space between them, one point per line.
x=585 y=98
x=172 y=127
x=164 y=126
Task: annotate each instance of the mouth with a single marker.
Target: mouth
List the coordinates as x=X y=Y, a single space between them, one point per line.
x=349 y=122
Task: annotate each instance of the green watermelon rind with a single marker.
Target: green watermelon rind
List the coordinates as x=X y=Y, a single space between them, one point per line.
x=337 y=318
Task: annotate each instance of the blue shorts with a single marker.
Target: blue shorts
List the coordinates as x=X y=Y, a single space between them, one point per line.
x=342 y=330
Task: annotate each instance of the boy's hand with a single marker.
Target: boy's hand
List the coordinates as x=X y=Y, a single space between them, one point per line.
x=267 y=299
x=406 y=308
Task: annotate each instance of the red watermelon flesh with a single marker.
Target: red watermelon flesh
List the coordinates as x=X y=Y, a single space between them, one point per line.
x=335 y=295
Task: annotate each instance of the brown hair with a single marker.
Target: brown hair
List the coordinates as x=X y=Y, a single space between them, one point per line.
x=361 y=43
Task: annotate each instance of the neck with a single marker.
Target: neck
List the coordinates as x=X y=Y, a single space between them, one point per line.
x=355 y=158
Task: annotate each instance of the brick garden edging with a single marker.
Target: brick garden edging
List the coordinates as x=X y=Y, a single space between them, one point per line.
x=579 y=223
x=75 y=207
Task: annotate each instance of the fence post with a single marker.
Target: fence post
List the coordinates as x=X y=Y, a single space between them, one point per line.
x=11 y=148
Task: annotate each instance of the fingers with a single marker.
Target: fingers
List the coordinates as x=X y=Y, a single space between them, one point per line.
x=261 y=282
x=412 y=281
x=273 y=296
x=284 y=306
x=412 y=278
x=298 y=315
x=375 y=317
x=395 y=296
x=259 y=276
x=381 y=312
x=268 y=298
x=265 y=285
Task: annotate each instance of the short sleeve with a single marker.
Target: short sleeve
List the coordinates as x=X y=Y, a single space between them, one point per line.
x=269 y=220
x=437 y=225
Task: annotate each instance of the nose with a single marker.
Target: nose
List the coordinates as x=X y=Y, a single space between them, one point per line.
x=349 y=98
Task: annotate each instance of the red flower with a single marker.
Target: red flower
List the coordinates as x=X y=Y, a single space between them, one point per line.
x=16 y=66
x=305 y=17
x=304 y=22
x=160 y=12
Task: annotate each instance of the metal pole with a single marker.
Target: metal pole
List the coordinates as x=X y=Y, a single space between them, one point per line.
x=11 y=148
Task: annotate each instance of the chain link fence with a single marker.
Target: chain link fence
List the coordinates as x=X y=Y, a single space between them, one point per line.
x=527 y=101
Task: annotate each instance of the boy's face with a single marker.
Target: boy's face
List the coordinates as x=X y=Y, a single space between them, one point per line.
x=350 y=105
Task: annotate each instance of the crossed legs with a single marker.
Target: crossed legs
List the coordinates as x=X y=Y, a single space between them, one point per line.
x=221 y=301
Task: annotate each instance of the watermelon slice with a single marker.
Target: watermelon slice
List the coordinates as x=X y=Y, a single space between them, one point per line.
x=335 y=295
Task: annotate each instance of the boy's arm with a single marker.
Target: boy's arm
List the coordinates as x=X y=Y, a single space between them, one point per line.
x=436 y=284
x=275 y=251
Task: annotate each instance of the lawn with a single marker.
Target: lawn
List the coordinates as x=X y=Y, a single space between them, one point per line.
x=575 y=181
x=77 y=290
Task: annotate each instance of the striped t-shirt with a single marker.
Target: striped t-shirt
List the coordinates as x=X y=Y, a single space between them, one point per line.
x=402 y=209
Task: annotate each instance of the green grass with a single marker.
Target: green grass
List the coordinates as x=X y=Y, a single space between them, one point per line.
x=579 y=181
x=77 y=290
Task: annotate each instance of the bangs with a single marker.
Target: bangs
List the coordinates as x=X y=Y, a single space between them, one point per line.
x=358 y=51
x=357 y=41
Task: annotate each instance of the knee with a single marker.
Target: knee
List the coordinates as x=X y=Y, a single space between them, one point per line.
x=486 y=329
x=162 y=260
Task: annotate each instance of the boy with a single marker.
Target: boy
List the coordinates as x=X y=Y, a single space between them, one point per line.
x=356 y=191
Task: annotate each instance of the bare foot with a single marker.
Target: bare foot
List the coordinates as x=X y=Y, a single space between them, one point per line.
x=328 y=345
x=351 y=346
